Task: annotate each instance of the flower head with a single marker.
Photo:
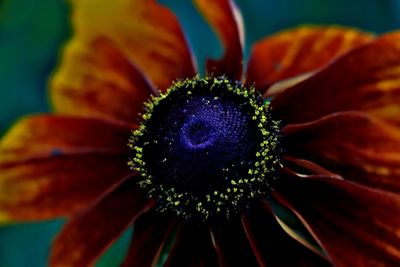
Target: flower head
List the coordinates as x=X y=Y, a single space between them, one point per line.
x=210 y=163
x=206 y=147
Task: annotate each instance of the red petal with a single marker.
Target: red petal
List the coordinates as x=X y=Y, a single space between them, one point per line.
x=52 y=166
x=97 y=80
x=232 y=245
x=85 y=237
x=192 y=248
x=272 y=245
x=41 y=135
x=225 y=18
x=357 y=226
x=309 y=166
x=298 y=51
x=366 y=78
x=150 y=233
x=359 y=147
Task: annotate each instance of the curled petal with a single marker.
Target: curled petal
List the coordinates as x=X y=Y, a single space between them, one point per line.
x=272 y=244
x=366 y=79
x=308 y=166
x=96 y=79
x=359 y=147
x=192 y=248
x=150 y=234
x=89 y=233
x=225 y=18
x=53 y=166
x=357 y=226
x=297 y=51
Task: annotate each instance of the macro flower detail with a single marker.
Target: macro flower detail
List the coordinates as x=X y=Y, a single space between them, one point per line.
x=206 y=147
x=292 y=161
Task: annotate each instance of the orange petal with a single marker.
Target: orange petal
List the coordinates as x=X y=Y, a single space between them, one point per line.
x=143 y=34
x=272 y=244
x=151 y=233
x=84 y=238
x=225 y=18
x=366 y=79
x=232 y=244
x=53 y=166
x=95 y=79
x=192 y=248
x=359 y=147
x=297 y=51
x=357 y=226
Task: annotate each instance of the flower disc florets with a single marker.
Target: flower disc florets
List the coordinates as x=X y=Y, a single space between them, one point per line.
x=206 y=147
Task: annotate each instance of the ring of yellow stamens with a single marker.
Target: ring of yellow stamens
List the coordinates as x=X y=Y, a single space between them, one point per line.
x=237 y=191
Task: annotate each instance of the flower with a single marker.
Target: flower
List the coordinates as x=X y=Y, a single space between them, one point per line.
x=328 y=144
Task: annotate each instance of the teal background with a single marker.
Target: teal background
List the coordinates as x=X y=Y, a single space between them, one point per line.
x=32 y=32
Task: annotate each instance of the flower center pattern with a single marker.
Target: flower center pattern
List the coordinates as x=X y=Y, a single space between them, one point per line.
x=206 y=147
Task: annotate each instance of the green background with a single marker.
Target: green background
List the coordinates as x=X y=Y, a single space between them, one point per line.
x=32 y=33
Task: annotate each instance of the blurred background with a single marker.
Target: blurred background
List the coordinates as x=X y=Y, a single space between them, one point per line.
x=33 y=32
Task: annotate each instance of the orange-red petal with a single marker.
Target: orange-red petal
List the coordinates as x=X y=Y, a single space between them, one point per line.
x=359 y=147
x=357 y=226
x=96 y=79
x=53 y=166
x=226 y=20
x=232 y=244
x=366 y=78
x=272 y=244
x=47 y=135
x=150 y=234
x=307 y=166
x=297 y=51
x=192 y=248
x=84 y=238
x=105 y=79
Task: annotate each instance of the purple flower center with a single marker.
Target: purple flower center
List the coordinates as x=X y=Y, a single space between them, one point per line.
x=208 y=145
x=196 y=138
x=198 y=134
